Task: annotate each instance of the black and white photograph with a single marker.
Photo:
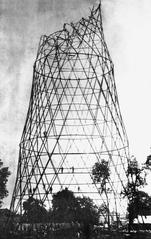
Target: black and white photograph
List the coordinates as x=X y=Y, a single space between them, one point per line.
x=75 y=119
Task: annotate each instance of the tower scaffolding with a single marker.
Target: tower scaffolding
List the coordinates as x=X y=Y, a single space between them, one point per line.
x=73 y=119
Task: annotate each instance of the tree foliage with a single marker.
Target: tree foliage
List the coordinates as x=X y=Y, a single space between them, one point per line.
x=4 y=174
x=136 y=176
x=138 y=201
x=34 y=211
x=140 y=205
x=101 y=174
x=68 y=208
x=64 y=206
x=87 y=212
x=136 y=179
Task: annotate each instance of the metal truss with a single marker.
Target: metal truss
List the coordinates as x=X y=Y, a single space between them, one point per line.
x=73 y=120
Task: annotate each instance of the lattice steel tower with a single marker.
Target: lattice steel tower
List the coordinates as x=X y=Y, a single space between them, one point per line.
x=73 y=119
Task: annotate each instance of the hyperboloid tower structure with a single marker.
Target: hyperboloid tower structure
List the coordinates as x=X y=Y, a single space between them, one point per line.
x=73 y=120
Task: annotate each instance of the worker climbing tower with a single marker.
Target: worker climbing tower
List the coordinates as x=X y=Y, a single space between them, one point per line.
x=73 y=120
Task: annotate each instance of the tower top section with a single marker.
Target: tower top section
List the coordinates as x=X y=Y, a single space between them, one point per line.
x=87 y=26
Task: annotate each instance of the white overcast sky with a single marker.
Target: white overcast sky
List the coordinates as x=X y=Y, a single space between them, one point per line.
x=127 y=28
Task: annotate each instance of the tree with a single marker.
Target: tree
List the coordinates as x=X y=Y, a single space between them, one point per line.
x=34 y=211
x=87 y=214
x=64 y=206
x=136 y=199
x=68 y=208
x=101 y=174
x=140 y=205
x=4 y=174
x=86 y=211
